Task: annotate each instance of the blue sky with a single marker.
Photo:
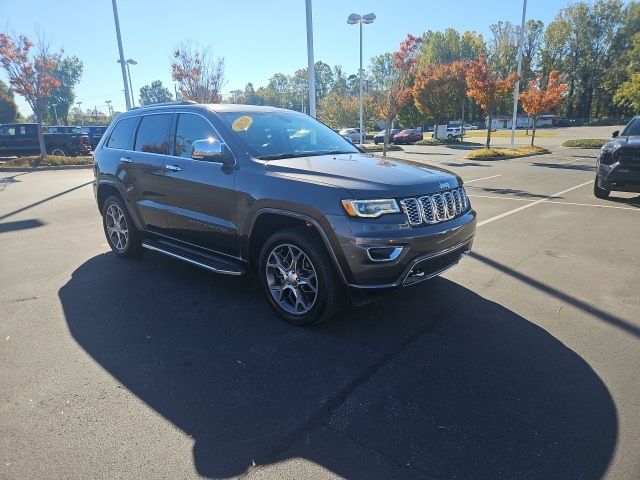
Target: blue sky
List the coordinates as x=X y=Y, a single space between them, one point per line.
x=257 y=38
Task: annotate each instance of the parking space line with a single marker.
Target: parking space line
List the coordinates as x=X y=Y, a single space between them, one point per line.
x=483 y=178
x=528 y=205
x=555 y=201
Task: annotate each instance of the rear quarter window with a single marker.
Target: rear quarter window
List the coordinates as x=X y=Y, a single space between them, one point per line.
x=122 y=134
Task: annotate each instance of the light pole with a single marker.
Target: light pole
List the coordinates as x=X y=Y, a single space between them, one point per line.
x=516 y=90
x=352 y=20
x=124 y=73
x=127 y=63
x=55 y=112
x=81 y=115
x=311 y=66
x=108 y=102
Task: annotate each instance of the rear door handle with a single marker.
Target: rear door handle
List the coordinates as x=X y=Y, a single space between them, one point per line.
x=126 y=160
x=173 y=168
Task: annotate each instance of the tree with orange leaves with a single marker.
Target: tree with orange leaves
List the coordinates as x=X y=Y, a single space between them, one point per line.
x=438 y=90
x=487 y=89
x=30 y=75
x=398 y=90
x=541 y=96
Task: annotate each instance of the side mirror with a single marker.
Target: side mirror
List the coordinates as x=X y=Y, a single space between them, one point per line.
x=211 y=149
x=615 y=134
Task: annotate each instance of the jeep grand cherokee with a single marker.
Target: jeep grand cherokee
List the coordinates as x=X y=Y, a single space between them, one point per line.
x=233 y=188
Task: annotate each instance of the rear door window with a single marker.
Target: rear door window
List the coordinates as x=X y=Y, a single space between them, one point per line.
x=153 y=134
x=122 y=133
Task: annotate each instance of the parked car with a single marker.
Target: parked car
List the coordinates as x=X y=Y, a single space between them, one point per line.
x=453 y=132
x=21 y=139
x=618 y=164
x=379 y=137
x=230 y=189
x=409 y=135
x=469 y=126
x=351 y=134
x=94 y=132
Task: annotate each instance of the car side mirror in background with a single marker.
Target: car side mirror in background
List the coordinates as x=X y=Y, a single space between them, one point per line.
x=211 y=149
x=615 y=134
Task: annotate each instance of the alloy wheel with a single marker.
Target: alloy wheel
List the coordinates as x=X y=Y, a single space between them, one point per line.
x=117 y=229
x=292 y=279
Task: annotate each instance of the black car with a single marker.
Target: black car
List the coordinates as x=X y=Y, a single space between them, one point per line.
x=379 y=137
x=234 y=188
x=618 y=164
x=94 y=132
x=21 y=139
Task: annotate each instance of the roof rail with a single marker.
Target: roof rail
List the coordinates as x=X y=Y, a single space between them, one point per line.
x=162 y=104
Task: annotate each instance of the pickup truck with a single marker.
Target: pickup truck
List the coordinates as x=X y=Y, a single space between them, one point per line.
x=21 y=139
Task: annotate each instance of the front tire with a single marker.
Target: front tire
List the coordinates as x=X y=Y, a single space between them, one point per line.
x=119 y=228
x=297 y=277
x=59 y=151
x=600 y=192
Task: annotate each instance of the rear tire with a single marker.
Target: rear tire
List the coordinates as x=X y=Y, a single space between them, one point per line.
x=119 y=228
x=59 y=151
x=298 y=278
x=600 y=192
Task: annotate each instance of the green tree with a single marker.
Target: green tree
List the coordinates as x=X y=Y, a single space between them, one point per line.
x=68 y=70
x=249 y=96
x=439 y=48
x=324 y=80
x=8 y=107
x=628 y=93
x=154 y=93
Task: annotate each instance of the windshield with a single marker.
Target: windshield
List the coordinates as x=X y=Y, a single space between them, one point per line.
x=280 y=134
x=633 y=129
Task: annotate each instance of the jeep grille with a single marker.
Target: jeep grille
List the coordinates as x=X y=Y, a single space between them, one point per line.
x=436 y=208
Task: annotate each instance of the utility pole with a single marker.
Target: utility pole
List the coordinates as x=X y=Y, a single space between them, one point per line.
x=108 y=102
x=516 y=90
x=311 y=66
x=175 y=91
x=55 y=112
x=122 y=64
x=81 y=114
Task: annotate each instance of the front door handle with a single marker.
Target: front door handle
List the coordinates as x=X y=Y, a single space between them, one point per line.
x=126 y=160
x=173 y=168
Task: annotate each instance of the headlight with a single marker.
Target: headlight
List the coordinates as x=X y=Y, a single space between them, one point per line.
x=606 y=155
x=370 y=208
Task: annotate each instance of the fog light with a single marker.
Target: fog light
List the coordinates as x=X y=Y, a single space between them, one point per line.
x=384 y=254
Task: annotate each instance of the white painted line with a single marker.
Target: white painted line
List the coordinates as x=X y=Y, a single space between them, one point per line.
x=537 y=202
x=555 y=201
x=566 y=161
x=484 y=178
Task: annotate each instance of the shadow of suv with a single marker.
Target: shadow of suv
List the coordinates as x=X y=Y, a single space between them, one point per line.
x=232 y=188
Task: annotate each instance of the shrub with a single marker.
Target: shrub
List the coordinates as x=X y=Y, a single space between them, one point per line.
x=585 y=142
x=497 y=153
x=51 y=160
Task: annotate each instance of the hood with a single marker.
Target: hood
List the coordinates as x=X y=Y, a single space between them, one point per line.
x=365 y=176
x=633 y=142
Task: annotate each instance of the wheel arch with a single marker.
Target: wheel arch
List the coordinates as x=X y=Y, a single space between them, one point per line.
x=268 y=221
x=105 y=189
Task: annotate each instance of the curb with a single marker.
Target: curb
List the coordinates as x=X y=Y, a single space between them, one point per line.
x=44 y=168
x=493 y=159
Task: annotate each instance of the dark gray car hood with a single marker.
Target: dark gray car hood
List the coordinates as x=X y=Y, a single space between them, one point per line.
x=633 y=142
x=365 y=176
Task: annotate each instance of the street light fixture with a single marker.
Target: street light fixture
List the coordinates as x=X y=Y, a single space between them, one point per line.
x=127 y=63
x=353 y=19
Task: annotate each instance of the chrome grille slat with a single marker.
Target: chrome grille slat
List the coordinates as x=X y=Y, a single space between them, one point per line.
x=412 y=209
x=436 y=208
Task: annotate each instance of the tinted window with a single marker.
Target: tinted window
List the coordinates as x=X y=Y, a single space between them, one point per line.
x=191 y=128
x=122 y=133
x=633 y=129
x=153 y=134
x=8 y=131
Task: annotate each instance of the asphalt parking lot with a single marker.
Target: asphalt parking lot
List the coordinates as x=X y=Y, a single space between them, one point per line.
x=522 y=362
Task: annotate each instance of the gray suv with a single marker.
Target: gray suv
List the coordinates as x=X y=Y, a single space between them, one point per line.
x=234 y=188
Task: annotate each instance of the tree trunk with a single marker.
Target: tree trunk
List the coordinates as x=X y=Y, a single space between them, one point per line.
x=387 y=127
x=489 y=118
x=533 y=131
x=43 y=150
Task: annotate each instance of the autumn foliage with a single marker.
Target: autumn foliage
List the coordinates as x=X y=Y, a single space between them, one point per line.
x=200 y=76
x=541 y=96
x=439 y=90
x=487 y=89
x=398 y=89
x=30 y=75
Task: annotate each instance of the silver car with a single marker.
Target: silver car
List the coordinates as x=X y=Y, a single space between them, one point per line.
x=351 y=134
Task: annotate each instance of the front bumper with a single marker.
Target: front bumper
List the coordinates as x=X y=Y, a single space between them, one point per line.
x=619 y=177
x=424 y=251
